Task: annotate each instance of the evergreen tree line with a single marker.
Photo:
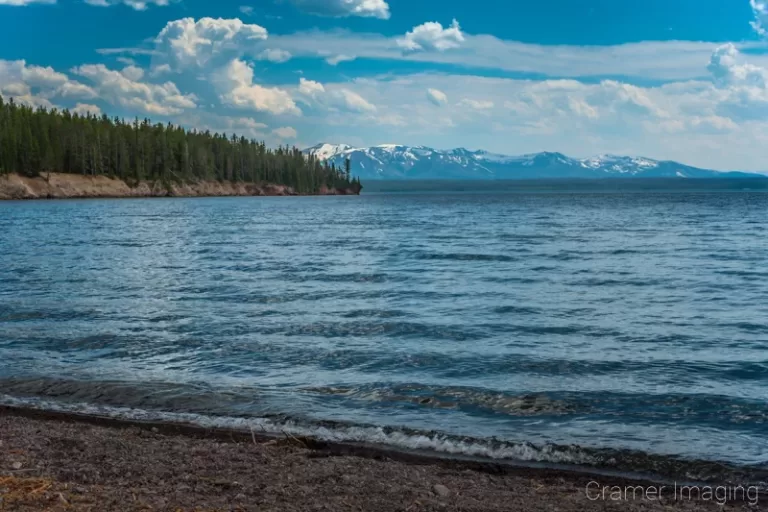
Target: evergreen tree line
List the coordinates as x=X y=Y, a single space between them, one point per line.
x=35 y=141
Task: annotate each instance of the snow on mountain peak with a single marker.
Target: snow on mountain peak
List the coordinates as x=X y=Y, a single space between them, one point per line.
x=327 y=151
x=395 y=161
x=619 y=164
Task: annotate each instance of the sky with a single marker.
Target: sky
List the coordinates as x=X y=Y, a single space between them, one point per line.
x=683 y=80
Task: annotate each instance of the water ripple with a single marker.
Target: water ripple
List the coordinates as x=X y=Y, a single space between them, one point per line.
x=548 y=325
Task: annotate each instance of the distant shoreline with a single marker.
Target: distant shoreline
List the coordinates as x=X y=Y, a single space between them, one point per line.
x=52 y=458
x=567 y=185
x=77 y=186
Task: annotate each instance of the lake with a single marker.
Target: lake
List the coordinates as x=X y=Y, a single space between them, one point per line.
x=617 y=327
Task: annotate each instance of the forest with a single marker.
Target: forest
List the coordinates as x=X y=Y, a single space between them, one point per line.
x=34 y=141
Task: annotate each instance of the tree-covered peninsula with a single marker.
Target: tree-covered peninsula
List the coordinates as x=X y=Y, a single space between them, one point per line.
x=34 y=143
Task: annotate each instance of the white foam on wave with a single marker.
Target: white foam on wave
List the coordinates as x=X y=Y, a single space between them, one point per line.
x=432 y=442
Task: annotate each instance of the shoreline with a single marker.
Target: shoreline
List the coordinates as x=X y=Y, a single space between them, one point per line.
x=76 y=186
x=68 y=450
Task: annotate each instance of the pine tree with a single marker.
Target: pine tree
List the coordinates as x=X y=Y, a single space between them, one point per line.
x=348 y=170
x=35 y=141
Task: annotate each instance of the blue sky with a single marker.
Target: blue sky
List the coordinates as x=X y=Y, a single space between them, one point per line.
x=668 y=79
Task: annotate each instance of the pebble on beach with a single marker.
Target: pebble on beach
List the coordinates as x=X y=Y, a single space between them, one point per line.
x=441 y=490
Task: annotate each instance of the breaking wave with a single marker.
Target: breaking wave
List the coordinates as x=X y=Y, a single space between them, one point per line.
x=570 y=457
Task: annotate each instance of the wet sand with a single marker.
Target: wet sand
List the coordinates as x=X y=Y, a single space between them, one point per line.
x=51 y=461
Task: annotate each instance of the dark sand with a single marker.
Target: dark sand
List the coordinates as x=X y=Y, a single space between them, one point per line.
x=55 y=462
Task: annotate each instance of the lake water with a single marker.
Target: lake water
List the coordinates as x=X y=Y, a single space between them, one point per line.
x=620 y=328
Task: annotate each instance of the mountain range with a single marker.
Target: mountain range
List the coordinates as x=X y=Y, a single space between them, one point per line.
x=395 y=162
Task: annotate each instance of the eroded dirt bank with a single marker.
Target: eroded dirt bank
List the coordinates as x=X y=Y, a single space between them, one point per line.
x=63 y=186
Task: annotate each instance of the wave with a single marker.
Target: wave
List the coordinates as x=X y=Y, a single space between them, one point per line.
x=457 y=256
x=572 y=457
x=517 y=310
x=328 y=431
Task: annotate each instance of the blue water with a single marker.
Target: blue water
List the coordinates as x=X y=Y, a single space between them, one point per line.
x=550 y=326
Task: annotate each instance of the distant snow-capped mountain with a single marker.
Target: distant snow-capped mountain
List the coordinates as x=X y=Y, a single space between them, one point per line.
x=391 y=161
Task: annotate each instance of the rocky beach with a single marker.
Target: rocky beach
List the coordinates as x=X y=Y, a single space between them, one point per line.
x=57 y=462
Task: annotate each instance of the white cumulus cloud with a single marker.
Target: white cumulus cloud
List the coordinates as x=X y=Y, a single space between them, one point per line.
x=133 y=73
x=437 y=97
x=352 y=101
x=335 y=60
x=275 y=55
x=310 y=87
x=139 y=5
x=286 y=132
x=633 y=97
x=22 y=3
x=125 y=89
x=743 y=87
x=581 y=107
x=713 y=124
x=238 y=90
x=41 y=76
x=649 y=60
x=431 y=36
x=727 y=68
x=38 y=85
x=188 y=42
x=760 y=10
x=339 y=98
x=476 y=104
x=215 y=123
x=73 y=89
x=84 y=109
x=160 y=69
x=345 y=8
